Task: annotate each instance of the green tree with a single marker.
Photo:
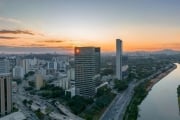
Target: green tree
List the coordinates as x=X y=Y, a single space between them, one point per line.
x=103 y=91
x=24 y=101
x=120 y=85
x=39 y=114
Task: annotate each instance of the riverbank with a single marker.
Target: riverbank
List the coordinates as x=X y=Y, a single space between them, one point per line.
x=178 y=92
x=153 y=81
x=141 y=91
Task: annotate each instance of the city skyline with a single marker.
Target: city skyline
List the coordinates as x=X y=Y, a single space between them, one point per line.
x=59 y=26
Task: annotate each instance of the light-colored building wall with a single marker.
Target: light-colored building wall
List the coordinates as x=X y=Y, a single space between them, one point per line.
x=118 y=59
x=18 y=72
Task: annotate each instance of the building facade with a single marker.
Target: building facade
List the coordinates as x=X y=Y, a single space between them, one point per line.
x=18 y=72
x=4 y=65
x=5 y=88
x=119 y=59
x=87 y=65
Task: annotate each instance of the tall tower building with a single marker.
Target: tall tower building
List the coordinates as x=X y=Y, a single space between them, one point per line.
x=87 y=65
x=119 y=59
x=5 y=88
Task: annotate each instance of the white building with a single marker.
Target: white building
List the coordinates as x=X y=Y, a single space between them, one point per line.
x=119 y=59
x=72 y=91
x=14 y=86
x=43 y=72
x=64 y=83
x=71 y=74
x=18 y=72
x=52 y=65
x=30 y=65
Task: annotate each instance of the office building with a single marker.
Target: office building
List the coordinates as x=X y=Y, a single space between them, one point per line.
x=87 y=65
x=118 y=59
x=5 y=88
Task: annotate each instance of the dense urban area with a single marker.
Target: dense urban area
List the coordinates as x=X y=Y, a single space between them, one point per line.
x=43 y=86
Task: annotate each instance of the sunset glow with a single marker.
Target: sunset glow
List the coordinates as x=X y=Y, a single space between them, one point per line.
x=60 y=26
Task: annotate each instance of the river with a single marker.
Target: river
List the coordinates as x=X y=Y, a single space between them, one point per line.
x=161 y=103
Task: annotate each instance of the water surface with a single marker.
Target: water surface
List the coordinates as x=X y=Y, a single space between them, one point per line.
x=161 y=103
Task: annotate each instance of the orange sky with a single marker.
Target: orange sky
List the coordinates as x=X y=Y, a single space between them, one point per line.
x=62 y=25
x=134 y=39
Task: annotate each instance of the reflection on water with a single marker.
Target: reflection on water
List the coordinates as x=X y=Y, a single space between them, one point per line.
x=161 y=103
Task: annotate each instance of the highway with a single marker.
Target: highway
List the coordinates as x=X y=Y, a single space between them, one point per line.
x=117 y=108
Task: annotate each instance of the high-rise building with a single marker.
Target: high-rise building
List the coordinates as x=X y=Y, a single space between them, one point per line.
x=18 y=72
x=4 y=65
x=119 y=59
x=25 y=64
x=5 y=88
x=39 y=81
x=87 y=65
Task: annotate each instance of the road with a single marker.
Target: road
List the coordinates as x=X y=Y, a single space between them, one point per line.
x=55 y=114
x=67 y=112
x=116 y=110
x=18 y=98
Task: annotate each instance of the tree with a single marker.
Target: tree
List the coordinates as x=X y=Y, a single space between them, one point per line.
x=24 y=101
x=120 y=85
x=103 y=91
x=107 y=71
x=31 y=83
x=30 y=102
x=79 y=103
x=19 y=81
x=39 y=114
x=29 y=74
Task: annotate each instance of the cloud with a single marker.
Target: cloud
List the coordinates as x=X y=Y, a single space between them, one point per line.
x=16 y=32
x=53 y=41
x=48 y=47
x=12 y=20
x=35 y=49
x=5 y=37
x=36 y=45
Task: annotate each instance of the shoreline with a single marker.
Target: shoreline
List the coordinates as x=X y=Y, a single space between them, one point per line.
x=155 y=80
x=132 y=110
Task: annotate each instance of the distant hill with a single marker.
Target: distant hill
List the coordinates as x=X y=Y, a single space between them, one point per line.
x=167 y=52
x=145 y=53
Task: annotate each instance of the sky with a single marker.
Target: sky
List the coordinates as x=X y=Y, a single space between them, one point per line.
x=43 y=26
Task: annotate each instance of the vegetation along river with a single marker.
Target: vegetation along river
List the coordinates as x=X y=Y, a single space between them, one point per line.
x=161 y=102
